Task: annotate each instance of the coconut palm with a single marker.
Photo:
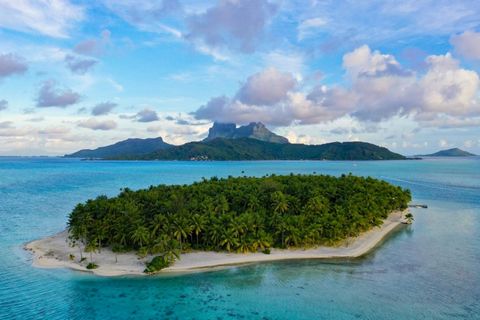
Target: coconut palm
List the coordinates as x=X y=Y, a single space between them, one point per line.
x=140 y=236
x=409 y=218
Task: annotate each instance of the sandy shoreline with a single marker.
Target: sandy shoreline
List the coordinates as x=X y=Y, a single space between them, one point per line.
x=54 y=252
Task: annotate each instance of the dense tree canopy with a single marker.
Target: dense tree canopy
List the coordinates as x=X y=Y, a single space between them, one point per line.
x=243 y=214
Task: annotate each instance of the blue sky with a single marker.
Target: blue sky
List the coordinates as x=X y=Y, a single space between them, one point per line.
x=79 y=75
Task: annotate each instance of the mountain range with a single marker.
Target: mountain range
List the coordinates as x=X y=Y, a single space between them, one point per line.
x=227 y=142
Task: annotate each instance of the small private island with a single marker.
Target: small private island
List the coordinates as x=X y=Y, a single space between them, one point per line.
x=226 y=221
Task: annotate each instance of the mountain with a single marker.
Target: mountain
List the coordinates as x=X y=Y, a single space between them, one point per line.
x=254 y=149
x=254 y=130
x=125 y=148
x=455 y=152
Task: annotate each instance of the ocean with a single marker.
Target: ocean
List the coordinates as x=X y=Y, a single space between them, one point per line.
x=429 y=270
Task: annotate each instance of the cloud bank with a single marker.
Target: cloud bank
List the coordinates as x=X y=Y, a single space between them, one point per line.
x=378 y=88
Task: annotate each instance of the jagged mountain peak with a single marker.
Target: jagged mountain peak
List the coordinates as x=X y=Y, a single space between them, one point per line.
x=254 y=130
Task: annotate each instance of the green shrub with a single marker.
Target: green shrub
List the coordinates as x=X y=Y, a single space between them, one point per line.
x=92 y=265
x=266 y=251
x=156 y=264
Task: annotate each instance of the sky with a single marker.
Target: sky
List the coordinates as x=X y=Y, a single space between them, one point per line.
x=83 y=74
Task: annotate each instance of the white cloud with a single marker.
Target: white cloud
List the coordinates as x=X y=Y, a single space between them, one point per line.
x=308 y=26
x=231 y=23
x=50 y=18
x=79 y=65
x=147 y=115
x=50 y=96
x=95 y=124
x=147 y=15
x=467 y=44
x=448 y=88
x=103 y=108
x=94 y=46
x=267 y=87
x=379 y=88
x=11 y=64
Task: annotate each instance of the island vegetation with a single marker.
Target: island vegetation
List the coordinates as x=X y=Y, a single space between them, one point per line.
x=254 y=149
x=234 y=214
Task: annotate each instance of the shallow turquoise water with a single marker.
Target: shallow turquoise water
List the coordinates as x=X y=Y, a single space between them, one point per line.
x=430 y=270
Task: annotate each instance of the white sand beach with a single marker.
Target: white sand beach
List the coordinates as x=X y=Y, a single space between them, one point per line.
x=54 y=252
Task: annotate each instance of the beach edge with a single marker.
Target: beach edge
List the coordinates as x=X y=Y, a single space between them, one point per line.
x=54 y=252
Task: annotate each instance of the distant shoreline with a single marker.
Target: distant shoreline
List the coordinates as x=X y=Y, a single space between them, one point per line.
x=54 y=252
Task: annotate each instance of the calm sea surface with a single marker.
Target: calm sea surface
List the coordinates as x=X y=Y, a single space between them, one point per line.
x=430 y=270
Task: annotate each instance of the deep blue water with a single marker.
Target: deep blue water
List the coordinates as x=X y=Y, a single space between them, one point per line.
x=430 y=270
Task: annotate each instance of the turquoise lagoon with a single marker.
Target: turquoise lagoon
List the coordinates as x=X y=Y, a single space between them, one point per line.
x=430 y=270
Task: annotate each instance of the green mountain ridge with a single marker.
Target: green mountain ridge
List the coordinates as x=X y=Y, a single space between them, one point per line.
x=129 y=147
x=454 y=152
x=253 y=149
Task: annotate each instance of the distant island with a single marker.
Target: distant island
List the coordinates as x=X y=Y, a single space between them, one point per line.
x=454 y=152
x=186 y=227
x=125 y=148
x=227 y=142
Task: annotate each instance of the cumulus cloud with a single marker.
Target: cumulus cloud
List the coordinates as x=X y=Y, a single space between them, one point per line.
x=95 y=124
x=11 y=64
x=49 y=96
x=467 y=44
x=266 y=88
x=103 y=108
x=449 y=89
x=147 y=115
x=3 y=104
x=94 y=46
x=50 y=18
x=378 y=88
x=232 y=24
x=269 y=97
x=79 y=65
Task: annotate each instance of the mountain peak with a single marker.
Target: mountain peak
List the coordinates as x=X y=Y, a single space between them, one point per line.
x=253 y=130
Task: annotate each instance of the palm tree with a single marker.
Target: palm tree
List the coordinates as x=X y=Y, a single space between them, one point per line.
x=409 y=218
x=228 y=240
x=198 y=223
x=280 y=202
x=140 y=236
x=181 y=231
x=91 y=247
x=158 y=222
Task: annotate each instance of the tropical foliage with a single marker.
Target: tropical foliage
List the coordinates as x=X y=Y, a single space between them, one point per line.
x=242 y=214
